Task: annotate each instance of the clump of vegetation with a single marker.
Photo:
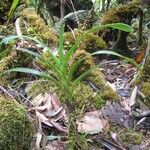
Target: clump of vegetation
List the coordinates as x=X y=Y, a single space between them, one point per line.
x=90 y=43
x=125 y=14
x=85 y=64
x=38 y=26
x=130 y=136
x=7 y=61
x=145 y=76
x=127 y=136
x=145 y=89
x=144 y=81
x=121 y=13
x=98 y=80
x=15 y=129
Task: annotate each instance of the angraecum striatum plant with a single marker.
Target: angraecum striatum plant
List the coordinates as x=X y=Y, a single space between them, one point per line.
x=58 y=70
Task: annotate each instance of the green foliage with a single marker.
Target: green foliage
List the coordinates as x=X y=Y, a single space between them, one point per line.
x=130 y=136
x=90 y=43
x=58 y=71
x=38 y=27
x=117 y=14
x=13 y=7
x=15 y=128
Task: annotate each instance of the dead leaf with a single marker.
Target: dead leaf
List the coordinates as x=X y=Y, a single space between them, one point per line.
x=92 y=122
x=59 y=127
x=43 y=119
x=38 y=140
x=55 y=102
x=132 y=99
x=38 y=100
x=55 y=145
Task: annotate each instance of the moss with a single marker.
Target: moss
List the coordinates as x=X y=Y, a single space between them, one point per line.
x=90 y=42
x=38 y=26
x=7 y=61
x=39 y=87
x=116 y=14
x=86 y=98
x=15 y=128
x=77 y=141
x=145 y=76
x=85 y=64
x=129 y=136
x=145 y=89
x=98 y=80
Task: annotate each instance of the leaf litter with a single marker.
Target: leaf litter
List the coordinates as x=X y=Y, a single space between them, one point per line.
x=51 y=113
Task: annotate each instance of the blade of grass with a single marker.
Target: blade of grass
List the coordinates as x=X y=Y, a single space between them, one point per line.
x=61 y=46
x=118 y=55
x=73 y=68
x=119 y=26
x=12 y=8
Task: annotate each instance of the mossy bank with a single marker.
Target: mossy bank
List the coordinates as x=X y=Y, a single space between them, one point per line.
x=15 y=129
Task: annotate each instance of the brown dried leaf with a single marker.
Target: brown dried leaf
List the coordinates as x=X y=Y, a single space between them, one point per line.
x=43 y=119
x=38 y=100
x=55 y=145
x=38 y=140
x=92 y=122
x=59 y=127
x=55 y=102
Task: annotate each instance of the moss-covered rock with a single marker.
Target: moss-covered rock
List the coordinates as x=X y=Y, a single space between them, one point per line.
x=85 y=64
x=38 y=27
x=122 y=12
x=144 y=82
x=97 y=79
x=90 y=42
x=145 y=89
x=15 y=129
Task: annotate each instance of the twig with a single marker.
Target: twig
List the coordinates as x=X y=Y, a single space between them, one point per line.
x=5 y=91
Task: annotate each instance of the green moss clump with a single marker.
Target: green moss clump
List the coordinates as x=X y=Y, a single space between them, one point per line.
x=85 y=96
x=144 y=81
x=117 y=14
x=90 y=42
x=145 y=89
x=85 y=64
x=145 y=76
x=7 y=61
x=39 y=87
x=98 y=80
x=15 y=129
x=129 y=136
x=38 y=26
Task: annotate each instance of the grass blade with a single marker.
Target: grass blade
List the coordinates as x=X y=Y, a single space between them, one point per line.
x=119 y=26
x=13 y=7
x=130 y=60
